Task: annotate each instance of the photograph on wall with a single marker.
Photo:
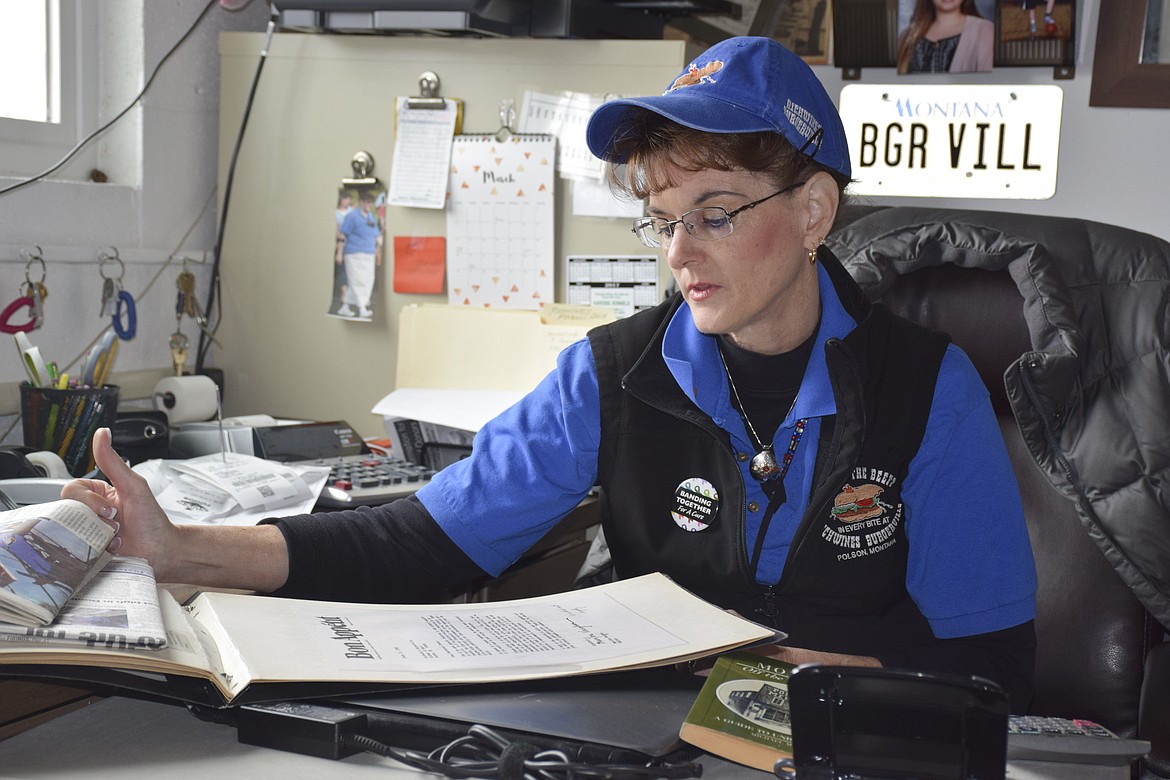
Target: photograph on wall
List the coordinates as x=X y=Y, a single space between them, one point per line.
x=805 y=27
x=946 y=36
x=359 y=230
x=1036 y=32
x=865 y=34
x=712 y=28
x=1035 y=19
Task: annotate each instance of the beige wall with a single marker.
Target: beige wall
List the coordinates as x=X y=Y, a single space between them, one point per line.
x=321 y=99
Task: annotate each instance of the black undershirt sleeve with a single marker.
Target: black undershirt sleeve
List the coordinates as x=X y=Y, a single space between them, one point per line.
x=1006 y=657
x=391 y=553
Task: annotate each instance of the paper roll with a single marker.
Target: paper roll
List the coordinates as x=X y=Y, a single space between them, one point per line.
x=186 y=398
x=50 y=463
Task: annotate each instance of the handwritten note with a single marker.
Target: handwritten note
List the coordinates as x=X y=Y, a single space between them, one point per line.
x=422 y=152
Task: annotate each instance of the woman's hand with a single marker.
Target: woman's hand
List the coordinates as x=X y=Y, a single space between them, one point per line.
x=127 y=504
x=246 y=557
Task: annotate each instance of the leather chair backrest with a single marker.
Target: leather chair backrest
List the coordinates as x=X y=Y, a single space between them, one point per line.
x=1092 y=632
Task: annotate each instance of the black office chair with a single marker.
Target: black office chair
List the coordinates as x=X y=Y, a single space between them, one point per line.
x=1100 y=653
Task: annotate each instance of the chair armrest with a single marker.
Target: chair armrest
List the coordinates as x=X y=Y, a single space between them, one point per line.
x=1153 y=713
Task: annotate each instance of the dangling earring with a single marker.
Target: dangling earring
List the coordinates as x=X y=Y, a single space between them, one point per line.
x=812 y=253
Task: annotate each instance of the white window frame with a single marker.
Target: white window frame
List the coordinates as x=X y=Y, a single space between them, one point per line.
x=27 y=148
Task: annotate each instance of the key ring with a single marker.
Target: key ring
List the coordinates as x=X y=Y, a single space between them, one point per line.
x=125 y=303
x=112 y=289
x=10 y=311
x=32 y=294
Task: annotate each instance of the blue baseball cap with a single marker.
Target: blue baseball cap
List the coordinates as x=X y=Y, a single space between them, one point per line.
x=740 y=85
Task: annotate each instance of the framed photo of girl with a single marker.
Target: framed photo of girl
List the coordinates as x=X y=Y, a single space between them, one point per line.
x=953 y=36
x=946 y=36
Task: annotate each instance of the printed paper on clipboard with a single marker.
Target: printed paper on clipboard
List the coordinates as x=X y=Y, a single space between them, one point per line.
x=500 y=221
x=422 y=150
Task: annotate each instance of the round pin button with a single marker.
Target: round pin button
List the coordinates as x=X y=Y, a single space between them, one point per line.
x=696 y=504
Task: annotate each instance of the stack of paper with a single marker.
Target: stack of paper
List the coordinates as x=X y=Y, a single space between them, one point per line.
x=232 y=489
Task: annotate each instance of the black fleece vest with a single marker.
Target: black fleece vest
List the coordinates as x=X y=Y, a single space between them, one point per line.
x=843 y=586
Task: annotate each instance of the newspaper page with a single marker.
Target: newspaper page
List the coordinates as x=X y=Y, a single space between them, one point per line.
x=189 y=651
x=47 y=552
x=116 y=609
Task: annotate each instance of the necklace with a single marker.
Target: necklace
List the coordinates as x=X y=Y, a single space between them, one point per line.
x=764 y=467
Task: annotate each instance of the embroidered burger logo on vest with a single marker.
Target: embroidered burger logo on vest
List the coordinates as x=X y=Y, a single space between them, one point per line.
x=696 y=75
x=854 y=504
x=696 y=504
x=861 y=523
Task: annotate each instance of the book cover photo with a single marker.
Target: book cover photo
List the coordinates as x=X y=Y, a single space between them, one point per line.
x=742 y=711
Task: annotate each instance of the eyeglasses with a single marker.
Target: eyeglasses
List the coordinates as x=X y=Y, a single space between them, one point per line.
x=710 y=223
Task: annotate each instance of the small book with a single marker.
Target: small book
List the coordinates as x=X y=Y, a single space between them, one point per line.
x=742 y=711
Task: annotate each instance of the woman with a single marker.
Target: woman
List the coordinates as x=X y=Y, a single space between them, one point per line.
x=765 y=437
x=362 y=230
x=946 y=36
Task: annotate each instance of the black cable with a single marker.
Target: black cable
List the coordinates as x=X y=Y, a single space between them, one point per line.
x=82 y=143
x=204 y=342
x=485 y=754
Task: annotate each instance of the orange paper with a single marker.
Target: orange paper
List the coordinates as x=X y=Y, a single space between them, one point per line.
x=419 y=264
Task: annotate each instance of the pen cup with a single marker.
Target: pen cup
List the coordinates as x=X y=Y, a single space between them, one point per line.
x=64 y=421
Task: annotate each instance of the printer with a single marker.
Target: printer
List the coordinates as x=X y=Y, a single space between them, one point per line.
x=267 y=437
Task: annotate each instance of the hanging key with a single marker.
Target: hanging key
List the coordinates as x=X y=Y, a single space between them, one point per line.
x=39 y=292
x=180 y=347
x=111 y=268
x=34 y=290
x=191 y=306
x=109 y=297
x=180 y=300
x=196 y=311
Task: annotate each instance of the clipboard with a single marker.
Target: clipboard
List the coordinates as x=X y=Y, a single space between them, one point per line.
x=424 y=125
x=429 y=99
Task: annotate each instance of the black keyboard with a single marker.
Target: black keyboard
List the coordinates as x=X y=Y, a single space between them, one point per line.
x=368 y=479
x=1073 y=741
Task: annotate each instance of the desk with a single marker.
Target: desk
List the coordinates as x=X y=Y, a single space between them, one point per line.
x=140 y=740
x=132 y=740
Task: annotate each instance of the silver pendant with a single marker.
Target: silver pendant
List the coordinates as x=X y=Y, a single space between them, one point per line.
x=764 y=466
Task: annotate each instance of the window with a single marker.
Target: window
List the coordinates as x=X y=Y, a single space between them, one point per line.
x=30 y=46
x=51 y=95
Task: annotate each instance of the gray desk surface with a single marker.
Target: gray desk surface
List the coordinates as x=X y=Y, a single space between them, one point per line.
x=136 y=740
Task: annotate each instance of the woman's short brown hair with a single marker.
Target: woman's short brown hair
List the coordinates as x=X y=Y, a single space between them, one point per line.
x=653 y=146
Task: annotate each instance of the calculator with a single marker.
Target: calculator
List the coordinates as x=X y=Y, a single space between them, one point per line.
x=1069 y=740
x=355 y=480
